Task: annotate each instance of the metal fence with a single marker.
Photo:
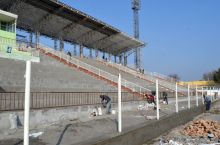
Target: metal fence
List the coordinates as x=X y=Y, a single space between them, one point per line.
x=15 y=100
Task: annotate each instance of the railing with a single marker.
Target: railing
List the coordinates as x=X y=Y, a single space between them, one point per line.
x=15 y=100
x=97 y=71
x=148 y=76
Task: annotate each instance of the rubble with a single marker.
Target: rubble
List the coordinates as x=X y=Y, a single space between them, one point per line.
x=202 y=128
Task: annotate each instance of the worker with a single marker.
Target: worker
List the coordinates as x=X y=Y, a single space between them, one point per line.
x=207 y=102
x=107 y=103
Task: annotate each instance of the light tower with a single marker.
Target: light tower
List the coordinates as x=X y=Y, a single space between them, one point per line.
x=137 y=55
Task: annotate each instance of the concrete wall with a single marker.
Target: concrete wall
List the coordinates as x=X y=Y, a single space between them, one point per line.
x=47 y=116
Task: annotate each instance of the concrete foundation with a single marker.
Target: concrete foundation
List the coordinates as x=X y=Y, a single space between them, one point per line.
x=48 y=116
x=149 y=130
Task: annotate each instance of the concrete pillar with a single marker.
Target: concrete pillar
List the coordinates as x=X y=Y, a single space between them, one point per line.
x=61 y=45
x=96 y=53
x=31 y=39
x=120 y=59
x=74 y=50
x=37 y=39
x=125 y=60
x=81 y=50
x=90 y=52
x=103 y=56
x=115 y=58
x=55 y=43
x=109 y=57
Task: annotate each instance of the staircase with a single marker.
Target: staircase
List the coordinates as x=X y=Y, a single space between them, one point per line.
x=93 y=71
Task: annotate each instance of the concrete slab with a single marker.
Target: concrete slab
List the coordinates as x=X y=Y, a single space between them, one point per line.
x=71 y=130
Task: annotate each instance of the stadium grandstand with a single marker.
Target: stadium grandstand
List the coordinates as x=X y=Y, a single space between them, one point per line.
x=69 y=92
x=59 y=71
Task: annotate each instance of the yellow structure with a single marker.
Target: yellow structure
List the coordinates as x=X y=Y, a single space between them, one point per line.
x=199 y=83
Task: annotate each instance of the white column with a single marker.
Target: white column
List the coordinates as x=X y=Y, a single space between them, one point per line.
x=27 y=102
x=197 y=97
x=177 y=109
x=119 y=104
x=157 y=101
x=188 y=96
x=202 y=96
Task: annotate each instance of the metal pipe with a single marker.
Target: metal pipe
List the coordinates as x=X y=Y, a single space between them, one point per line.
x=119 y=104
x=197 y=98
x=188 y=96
x=27 y=102
x=157 y=97
x=177 y=109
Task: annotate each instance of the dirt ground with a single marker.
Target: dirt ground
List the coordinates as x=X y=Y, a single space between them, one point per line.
x=175 y=137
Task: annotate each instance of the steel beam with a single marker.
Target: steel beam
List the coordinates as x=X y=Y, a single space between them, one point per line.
x=85 y=36
x=101 y=41
x=44 y=20
x=70 y=28
x=112 y=45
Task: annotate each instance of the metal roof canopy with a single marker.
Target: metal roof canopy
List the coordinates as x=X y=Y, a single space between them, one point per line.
x=57 y=20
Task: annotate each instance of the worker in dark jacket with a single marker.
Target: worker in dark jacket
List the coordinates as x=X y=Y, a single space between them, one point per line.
x=207 y=101
x=106 y=102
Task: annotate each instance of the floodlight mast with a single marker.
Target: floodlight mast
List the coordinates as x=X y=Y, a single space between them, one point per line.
x=137 y=55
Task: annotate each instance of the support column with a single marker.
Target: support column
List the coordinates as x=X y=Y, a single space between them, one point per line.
x=120 y=59
x=103 y=56
x=37 y=39
x=109 y=57
x=115 y=58
x=81 y=50
x=96 y=53
x=74 y=50
x=176 y=92
x=55 y=43
x=90 y=52
x=61 y=45
x=31 y=39
x=125 y=60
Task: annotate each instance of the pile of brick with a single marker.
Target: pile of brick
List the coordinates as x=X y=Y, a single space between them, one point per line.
x=201 y=128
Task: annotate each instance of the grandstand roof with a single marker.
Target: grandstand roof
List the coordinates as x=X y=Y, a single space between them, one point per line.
x=58 y=20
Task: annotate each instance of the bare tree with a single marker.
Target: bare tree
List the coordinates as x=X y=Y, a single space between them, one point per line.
x=208 y=76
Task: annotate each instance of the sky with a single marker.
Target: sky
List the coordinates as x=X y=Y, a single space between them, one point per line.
x=182 y=36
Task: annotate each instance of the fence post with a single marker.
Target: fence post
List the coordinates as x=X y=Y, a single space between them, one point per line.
x=177 y=109
x=157 y=97
x=27 y=102
x=188 y=96
x=119 y=104
x=202 y=96
x=197 y=98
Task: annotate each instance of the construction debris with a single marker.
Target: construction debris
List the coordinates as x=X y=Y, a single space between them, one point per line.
x=203 y=128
